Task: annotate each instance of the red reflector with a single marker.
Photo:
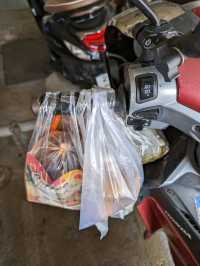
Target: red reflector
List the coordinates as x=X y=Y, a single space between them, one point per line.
x=196 y=11
x=95 y=42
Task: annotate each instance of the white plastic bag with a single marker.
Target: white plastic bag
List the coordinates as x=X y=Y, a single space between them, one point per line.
x=83 y=113
x=113 y=173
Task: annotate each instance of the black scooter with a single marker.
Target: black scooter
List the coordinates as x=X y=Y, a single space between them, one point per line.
x=75 y=37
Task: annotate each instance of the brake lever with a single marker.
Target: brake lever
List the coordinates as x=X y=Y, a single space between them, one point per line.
x=167 y=61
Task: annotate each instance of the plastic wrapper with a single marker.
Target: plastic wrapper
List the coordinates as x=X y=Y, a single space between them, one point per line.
x=150 y=143
x=113 y=173
x=53 y=173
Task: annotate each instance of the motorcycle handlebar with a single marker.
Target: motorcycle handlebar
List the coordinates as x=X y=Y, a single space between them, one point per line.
x=188 y=45
x=169 y=56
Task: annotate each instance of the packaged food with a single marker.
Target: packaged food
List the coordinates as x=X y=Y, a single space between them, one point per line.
x=150 y=143
x=53 y=173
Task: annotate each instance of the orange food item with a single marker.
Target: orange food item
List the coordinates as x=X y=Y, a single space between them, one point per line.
x=55 y=123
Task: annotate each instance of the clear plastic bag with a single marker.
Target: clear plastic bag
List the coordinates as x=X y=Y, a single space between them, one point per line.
x=53 y=173
x=83 y=112
x=150 y=143
x=113 y=173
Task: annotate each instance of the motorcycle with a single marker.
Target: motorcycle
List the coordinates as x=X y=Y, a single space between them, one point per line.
x=157 y=72
x=151 y=56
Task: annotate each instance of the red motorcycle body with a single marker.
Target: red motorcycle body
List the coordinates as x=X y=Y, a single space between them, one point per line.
x=157 y=211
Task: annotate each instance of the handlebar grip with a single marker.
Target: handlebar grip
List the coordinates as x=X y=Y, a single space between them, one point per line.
x=167 y=61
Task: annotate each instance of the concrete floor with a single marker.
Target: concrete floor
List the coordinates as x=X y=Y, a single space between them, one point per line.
x=14 y=4
x=36 y=235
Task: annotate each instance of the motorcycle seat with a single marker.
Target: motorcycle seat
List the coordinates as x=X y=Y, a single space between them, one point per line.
x=56 y=6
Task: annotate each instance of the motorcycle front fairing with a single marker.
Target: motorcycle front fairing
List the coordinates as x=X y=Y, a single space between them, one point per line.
x=172 y=184
x=171 y=206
